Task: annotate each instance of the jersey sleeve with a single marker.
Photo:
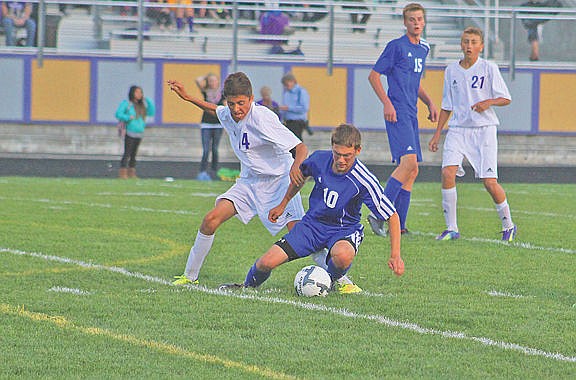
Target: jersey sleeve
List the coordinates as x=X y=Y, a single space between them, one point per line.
x=385 y=63
x=499 y=88
x=447 y=92
x=308 y=166
x=373 y=193
x=273 y=131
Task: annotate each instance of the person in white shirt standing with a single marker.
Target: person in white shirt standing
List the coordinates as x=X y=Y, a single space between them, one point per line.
x=472 y=87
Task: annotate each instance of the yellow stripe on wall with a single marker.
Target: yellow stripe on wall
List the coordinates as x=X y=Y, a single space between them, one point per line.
x=327 y=94
x=61 y=90
x=175 y=109
x=432 y=82
x=557 y=113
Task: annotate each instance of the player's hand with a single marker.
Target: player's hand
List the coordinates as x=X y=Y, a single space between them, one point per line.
x=397 y=265
x=481 y=106
x=275 y=213
x=433 y=113
x=296 y=176
x=178 y=88
x=390 y=112
x=433 y=143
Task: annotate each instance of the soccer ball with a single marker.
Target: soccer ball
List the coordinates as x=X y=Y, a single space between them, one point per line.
x=312 y=281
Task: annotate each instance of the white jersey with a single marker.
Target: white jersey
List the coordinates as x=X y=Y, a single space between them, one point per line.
x=465 y=87
x=260 y=141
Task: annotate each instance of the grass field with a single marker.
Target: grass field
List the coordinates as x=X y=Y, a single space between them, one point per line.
x=86 y=267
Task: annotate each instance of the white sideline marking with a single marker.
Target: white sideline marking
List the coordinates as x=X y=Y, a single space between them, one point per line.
x=78 y=292
x=496 y=293
x=102 y=205
x=109 y=193
x=310 y=306
x=536 y=213
x=517 y=244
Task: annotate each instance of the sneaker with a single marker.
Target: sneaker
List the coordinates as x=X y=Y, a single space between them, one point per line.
x=404 y=231
x=348 y=288
x=377 y=225
x=232 y=286
x=204 y=176
x=183 y=280
x=448 y=235
x=509 y=234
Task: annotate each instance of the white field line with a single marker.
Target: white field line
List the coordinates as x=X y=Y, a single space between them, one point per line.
x=311 y=306
x=515 y=244
x=523 y=212
x=100 y=205
x=495 y=293
x=61 y=289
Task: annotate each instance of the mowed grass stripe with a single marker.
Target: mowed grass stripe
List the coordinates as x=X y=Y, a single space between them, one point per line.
x=311 y=306
x=170 y=349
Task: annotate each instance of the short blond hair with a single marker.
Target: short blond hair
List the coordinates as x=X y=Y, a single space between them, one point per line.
x=474 y=30
x=412 y=7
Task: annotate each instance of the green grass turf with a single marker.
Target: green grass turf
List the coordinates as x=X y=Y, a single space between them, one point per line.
x=86 y=266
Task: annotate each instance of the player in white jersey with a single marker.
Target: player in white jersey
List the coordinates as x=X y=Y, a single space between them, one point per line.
x=262 y=144
x=471 y=87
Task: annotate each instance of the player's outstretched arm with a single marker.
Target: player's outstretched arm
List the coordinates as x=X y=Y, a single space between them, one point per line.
x=395 y=262
x=179 y=89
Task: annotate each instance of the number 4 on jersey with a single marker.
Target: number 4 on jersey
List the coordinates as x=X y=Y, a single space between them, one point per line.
x=244 y=142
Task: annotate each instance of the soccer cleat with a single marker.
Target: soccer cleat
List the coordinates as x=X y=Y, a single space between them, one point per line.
x=232 y=286
x=348 y=288
x=448 y=235
x=183 y=280
x=404 y=231
x=377 y=225
x=509 y=234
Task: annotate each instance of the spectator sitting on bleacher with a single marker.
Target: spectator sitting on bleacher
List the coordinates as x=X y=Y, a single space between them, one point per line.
x=160 y=15
x=180 y=13
x=16 y=14
x=355 y=14
x=276 y=23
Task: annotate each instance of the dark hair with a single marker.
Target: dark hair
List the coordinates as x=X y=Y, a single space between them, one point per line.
x=346 y=135
x=139 y=104
x=237 y=84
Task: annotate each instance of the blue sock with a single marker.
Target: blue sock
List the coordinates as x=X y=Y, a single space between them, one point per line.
x=255 y=277
x=191 y=24
x=335 y=272
x=179 y=23
x=402 y=205
x=393 y=187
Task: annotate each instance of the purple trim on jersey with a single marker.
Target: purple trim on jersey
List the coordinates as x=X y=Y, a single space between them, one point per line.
x=403 y=64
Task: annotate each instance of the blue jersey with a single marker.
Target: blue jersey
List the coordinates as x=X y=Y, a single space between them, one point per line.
x=336 y=199
x=403 y=63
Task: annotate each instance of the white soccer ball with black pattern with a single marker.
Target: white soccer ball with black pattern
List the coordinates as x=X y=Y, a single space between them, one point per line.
x=312 y=281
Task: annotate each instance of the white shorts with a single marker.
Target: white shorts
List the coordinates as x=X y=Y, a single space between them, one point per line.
x=480 y=147
x=257 y=196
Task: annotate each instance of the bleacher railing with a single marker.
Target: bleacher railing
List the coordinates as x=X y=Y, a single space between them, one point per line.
x=124 y=28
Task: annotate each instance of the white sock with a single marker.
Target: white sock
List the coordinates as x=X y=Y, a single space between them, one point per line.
x=320 y=260
x=198 y=253
x=504 y=214
x=449 y=204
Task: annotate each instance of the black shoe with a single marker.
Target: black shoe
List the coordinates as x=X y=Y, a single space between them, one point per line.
x=232 y=286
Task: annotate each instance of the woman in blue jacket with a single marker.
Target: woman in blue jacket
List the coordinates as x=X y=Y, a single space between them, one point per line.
x=133 y=113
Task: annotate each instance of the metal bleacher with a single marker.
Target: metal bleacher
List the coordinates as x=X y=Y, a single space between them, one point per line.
x=106 y=31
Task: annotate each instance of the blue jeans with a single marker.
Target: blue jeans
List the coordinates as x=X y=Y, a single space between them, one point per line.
x=210 y=142
x=9 y=27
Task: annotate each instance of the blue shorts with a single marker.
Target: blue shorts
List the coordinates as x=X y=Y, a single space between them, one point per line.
x=404 y=137
x=308 y=237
